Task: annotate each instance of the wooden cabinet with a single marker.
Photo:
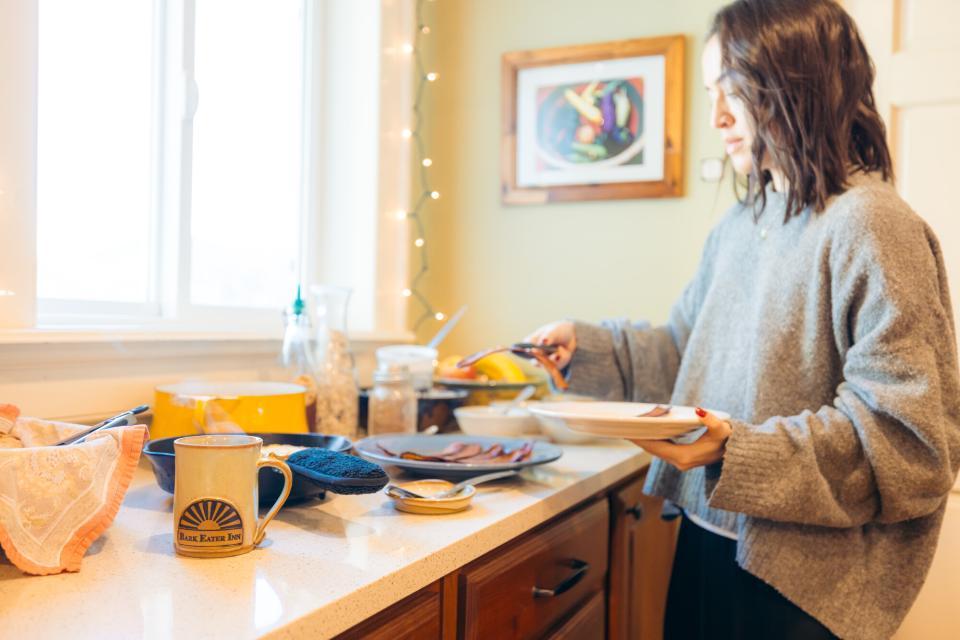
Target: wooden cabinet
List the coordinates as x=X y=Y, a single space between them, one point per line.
x=531 y=586
x=641 y=558
x=598 y=570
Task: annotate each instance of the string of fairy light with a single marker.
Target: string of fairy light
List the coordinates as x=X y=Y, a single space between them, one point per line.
x=426 y=193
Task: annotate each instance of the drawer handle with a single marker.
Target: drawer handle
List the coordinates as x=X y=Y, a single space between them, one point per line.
x=636 y=511
x=580 y=569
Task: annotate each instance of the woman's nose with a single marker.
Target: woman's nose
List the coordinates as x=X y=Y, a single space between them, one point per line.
x=720 y=118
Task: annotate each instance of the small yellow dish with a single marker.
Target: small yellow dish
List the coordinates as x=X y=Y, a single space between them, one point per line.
x=430 y=506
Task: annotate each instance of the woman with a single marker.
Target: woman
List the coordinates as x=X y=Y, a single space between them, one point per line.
x=820 y=320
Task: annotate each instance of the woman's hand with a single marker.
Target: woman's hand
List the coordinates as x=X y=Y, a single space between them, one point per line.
x=707 y=449
x=560 y=334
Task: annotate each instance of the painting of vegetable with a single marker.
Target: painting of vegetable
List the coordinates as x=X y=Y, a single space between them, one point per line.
x=590 y=122
x=593 y=122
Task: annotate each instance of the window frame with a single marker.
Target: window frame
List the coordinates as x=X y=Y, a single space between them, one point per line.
x=23 y=315
x=171 y=184
x=87 y=372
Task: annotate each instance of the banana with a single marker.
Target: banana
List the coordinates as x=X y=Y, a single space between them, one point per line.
x=500 y=367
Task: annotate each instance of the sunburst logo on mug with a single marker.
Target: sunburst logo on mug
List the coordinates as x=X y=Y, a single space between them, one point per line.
x=210 y=522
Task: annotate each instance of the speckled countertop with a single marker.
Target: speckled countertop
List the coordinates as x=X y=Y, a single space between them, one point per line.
x=324 y=566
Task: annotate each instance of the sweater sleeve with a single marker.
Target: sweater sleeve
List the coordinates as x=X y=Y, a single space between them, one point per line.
x=620 y=360
x=888 y=448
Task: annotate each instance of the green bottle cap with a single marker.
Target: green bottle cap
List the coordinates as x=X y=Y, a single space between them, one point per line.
x=298 y=304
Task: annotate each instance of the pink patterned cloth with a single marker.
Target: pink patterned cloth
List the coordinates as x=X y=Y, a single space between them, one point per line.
x=55 y=501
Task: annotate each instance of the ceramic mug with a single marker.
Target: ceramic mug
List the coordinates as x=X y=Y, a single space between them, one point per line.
x=215 y=494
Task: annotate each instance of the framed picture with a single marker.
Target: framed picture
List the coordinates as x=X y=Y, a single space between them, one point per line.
x=593 y=122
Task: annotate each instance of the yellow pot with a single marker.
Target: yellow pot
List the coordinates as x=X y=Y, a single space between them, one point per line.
x=189 y=408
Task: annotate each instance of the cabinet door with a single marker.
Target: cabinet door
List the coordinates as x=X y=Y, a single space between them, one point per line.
x=641 y=558
x=416 y=617
x=527 y=587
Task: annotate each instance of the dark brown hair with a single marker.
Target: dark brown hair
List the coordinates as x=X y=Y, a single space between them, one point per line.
x=806 y=79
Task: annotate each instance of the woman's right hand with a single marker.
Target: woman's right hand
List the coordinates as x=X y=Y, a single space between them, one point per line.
x=558 y=333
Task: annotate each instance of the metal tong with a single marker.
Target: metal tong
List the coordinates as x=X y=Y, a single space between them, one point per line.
x=119 y=420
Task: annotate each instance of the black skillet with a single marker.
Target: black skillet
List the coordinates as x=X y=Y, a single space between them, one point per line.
x=161 y=456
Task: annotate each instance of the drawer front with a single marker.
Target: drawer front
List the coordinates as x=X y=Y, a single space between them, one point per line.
x=586 y=624
x=417 y=617
x=523 y=589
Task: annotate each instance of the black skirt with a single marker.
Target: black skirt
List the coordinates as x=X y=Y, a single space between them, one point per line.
x=712 y=598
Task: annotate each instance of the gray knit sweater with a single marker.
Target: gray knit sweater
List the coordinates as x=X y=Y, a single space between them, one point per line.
x=830 y=341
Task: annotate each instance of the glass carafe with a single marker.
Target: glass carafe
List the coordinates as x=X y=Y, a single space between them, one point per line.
x=296 y=357
x=337 y=392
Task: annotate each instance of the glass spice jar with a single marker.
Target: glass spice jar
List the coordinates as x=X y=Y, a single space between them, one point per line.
x=393 y=401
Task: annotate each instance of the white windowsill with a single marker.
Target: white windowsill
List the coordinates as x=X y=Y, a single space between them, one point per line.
x=133 y=334
x=83 y=376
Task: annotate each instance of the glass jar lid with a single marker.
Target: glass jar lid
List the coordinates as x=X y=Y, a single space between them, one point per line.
x=392 y=372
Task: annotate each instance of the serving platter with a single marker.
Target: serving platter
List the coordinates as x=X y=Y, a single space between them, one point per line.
x=370 y=449
x=623 y=419
x=493 y=385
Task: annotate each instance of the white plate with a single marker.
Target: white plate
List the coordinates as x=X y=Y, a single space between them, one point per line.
x=622 y=419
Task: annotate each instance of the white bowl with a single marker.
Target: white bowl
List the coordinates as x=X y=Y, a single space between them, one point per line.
x=491 y=421
x=557 y=430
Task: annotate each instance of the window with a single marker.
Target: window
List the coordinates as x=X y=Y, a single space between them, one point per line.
x=136 y=205
x=171 y=159
x=172 y=168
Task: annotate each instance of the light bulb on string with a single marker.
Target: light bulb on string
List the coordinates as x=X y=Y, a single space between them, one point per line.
x=426 y=76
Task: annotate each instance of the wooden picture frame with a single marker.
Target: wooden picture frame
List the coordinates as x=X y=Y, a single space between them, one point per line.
x=619 y=136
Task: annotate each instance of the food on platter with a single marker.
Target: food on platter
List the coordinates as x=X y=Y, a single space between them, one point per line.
x=497 y=367
x=468 y=453
x=540 y=353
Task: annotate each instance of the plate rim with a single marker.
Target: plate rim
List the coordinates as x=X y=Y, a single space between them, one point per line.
x=545 y=410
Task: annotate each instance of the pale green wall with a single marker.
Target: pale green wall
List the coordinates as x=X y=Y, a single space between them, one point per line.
x=518 y=267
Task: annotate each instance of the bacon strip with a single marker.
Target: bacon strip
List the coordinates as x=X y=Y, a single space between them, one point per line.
x=485 y=456
x=387 y=451
x=657 y=412
x=452 y=449
x=467 y=451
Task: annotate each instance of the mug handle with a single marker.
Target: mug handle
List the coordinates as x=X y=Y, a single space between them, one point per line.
x=281 y=466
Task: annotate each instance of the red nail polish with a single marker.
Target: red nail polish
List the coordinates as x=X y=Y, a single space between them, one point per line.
x=701 y=412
